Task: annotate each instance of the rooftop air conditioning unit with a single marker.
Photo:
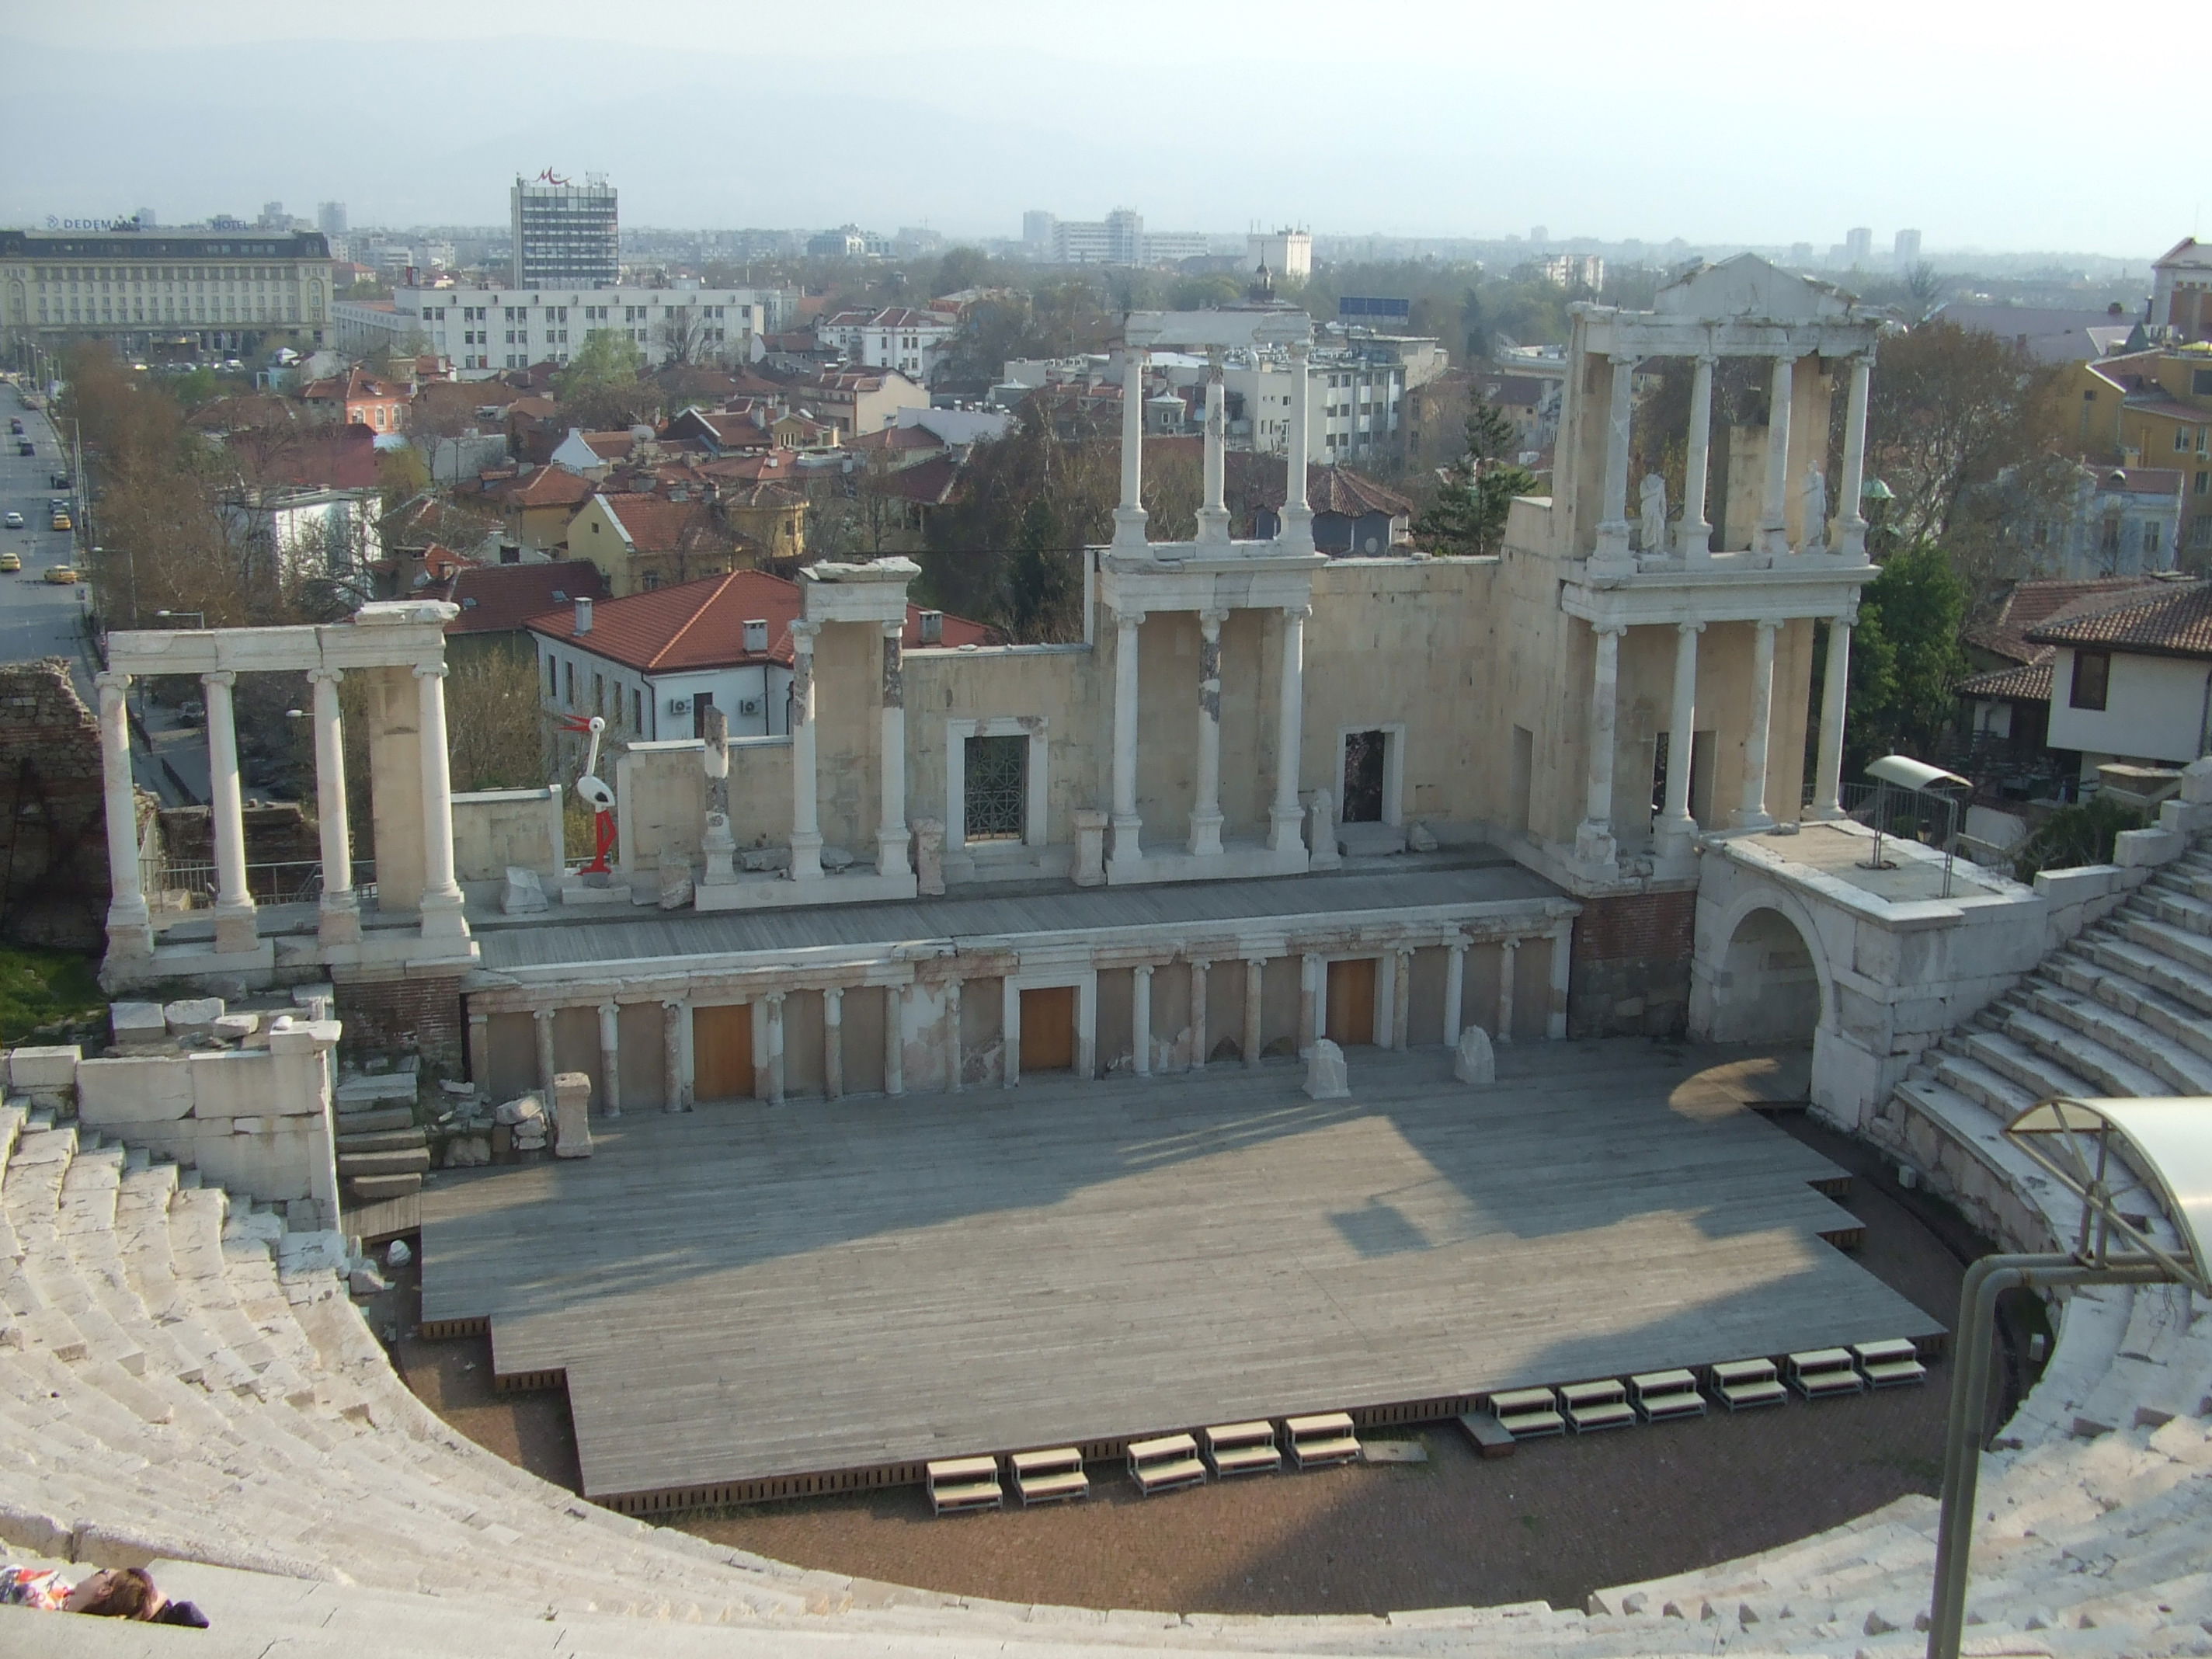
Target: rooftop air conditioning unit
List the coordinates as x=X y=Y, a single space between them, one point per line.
x=749 y=706
x=679 y=705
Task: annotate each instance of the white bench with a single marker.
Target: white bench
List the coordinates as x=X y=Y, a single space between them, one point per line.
x=1050 y=1477
x=1817 y=1373
x=1893 y=1363
x=1591 y=1406
x=964 y=1483
x=1527 y=1413
x=1661 y=1396
x=1744 y=1383
x=1165 y=1464
x=1242 y=1449
x=1324 y=1439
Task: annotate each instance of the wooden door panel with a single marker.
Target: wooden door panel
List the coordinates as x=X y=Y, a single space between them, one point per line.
x=722 y=1053
x=1048 y=1028
x=1352 y=1002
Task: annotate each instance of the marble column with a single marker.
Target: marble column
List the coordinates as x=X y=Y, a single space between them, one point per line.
x=1835 y=693
x=1509 y=956
x=1198 y=1015
x=1695 y=533
x=1313 y=1003
x=891 y=833
x=339 y=921
x=234 y=930
x=1612 y=525
x=1774 y=514
x=775 y=1001
x=675 y=1076
x=541 y=1029
x=1256 y=972
x=1129 y=516
x=1213 y=513
x=805 y=802
x=1455 y=990
x=956 y=1060
x=1286 y=820
x=1009 y=1032
x=1295 y=530
x=1206 y=814
x=1402 y=1001
x=1129 y=828
x=441 y=894
x=833 y=1043
x=894 y=1039
x=610 y=1060
x=1752 y=814
x=1677 y=832
x=1594 y=840
x=130 y=921
x=1850 y=506
x=1141 y=1019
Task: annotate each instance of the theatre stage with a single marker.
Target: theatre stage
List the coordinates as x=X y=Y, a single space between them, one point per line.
x=750 y=1301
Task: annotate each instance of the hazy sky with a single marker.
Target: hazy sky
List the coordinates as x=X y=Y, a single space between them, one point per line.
x=1712 y=120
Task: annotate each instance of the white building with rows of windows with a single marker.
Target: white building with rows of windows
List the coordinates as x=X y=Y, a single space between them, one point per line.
x=486 y=329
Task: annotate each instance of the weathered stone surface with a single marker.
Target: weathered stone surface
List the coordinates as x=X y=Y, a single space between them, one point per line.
x=760 y=860
x=465 y=1153
x=524 y=894
x=675 y=884
x=929 y=855
x=572 y=1100
x=1420 y=838
x=1326 y=1076
x=192 y=1018
x=1474 y=1060
x=137 y=1024
x=522 y=1109
x=236 y=1028
x=43 y=1070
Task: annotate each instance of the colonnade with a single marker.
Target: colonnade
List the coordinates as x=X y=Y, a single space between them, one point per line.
x=892 y=830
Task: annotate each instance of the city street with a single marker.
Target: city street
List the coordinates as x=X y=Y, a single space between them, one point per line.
x=37 y=619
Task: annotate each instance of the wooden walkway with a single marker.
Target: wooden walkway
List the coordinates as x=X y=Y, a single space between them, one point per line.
x=751 y=1301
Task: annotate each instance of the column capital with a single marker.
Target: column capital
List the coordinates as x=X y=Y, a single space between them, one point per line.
x=894 y=631
x=1770 y=625
x=802 y=633
x=611 y=1007
x=1624 y=359
x=325 y=676
x=672 y=1005
x=1709 y=359
x=478 y=1017
x=225 y=678
x=774 y=1000
x=1144 y=968
x=1212 y=617
x=111 y=679
x=1128 y=619
x=545 y=1014
x=1300 y=350
x=430 y=671
x=1689 y=628
x=1297 y=613
x=1256 y=962
x=1613 y=628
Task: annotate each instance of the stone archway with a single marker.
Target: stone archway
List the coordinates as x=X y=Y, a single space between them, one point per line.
x=1767 y=985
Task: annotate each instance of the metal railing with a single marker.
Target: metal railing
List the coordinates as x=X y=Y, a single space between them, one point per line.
x=192 y=886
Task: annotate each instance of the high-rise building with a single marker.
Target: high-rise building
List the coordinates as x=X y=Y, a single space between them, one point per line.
x=330 y=218
x=1801 y=256
x=273 y=217
x=1288 y=254
x=1116 y=240
x=566 y=235
x=1907 y=250
x=1858 y=247
x=1539 y=234
x=1036 y=232
x=227 y=292
x=145 y=218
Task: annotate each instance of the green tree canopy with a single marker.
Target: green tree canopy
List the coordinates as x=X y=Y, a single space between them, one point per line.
x=602 y=385
x=1468 y=516
x=1905 y=658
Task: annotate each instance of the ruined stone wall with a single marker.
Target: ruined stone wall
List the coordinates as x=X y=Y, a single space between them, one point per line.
x=1631 y=965
x=417 y=1012
x=53 y=833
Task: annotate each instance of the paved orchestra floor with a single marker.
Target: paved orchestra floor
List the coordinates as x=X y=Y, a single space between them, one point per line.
x=747 y=1291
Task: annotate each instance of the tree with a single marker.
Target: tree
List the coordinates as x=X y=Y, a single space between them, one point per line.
x=1468 y=516
x=1951 y=408
x=682 y=335
x=601 y=387
x=494 y=726
x=962 y=268
x=1044 y=589
x=1905 y=657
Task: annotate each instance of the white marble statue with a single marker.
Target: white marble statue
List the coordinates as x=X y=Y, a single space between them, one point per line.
x=1816 y=509
x=1654 y=513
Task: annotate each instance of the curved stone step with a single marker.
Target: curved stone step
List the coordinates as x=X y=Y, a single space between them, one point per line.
x=2175 y=1068
x=2189 y=985
x=2186 y=948
x=2107 y=1071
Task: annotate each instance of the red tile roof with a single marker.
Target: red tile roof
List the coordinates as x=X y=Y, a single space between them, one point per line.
x=927 y=484
x=551 y=486
x=898 y=438
x=500 y=599
x=657 y=526
x=2023 y=683
x=329 y=457
x=700 y=625
x=1329 y=488
x=2030 y=603
x=2158 y=619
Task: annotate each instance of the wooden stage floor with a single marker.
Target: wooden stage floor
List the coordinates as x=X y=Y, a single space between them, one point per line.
x=747 y=1292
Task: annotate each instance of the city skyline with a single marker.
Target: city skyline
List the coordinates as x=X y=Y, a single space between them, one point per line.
x=974 y=132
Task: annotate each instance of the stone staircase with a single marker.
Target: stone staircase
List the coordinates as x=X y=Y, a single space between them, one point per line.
x=381 y=1152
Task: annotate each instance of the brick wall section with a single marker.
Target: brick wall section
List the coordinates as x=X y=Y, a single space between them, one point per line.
x=1631 y=974
x=418 y=1011
x=53 y=830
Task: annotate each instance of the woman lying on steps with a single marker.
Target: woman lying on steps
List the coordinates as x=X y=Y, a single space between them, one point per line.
x=111 y=1593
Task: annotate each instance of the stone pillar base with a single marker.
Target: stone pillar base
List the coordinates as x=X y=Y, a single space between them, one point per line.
x=1128 y=835
x=1740 y=819
x=1213 y=525
x=235 y=933
x=806 y=856
x=1297 y=534
x=1129 y=530
x=443 y=923
x=339 y=922
x=1206 y=834
x=1593 y=843
x=1672 y=836
x=891 y=852
x=1285 y=827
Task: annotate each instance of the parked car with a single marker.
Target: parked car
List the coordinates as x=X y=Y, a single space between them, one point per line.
x=62 y=575
x=10 y=562
x=61 y=520
x=14 y=521
x=191 y=711
x=25 y=446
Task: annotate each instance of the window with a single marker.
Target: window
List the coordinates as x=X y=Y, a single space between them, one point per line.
x=2092 y=673
x=568 y=678
x=2154 y=539
x=2200 y=382
x=2203 y=484
x=552 y=676
x=2108 y=543
x=995 y=787
x=1364 y=754
x=2181 y=437
x=637 y=711
x=599 y=694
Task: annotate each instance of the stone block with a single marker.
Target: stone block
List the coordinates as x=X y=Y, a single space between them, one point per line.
x=236 y=1028
x=467 y=1151
x=524 y=893
x=1474 y=1061
x=675 y=882
x=523 y=1108
x=1420 y=838
x=1326 y=1076
x=43 y=1070
x=1089 y=847
x=355 y=1093
x=192 y=1019
x=137 y=1024
x=572 y=1099
x=317 y=1252
x=139 y=1089
x=929 y=856
x=304 y=1037
x=232 y=1085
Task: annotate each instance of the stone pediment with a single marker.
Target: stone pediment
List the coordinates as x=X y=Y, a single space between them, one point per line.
x=1746 y=288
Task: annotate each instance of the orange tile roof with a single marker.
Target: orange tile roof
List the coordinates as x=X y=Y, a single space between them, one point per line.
x=498 y=599
x=2158 y=619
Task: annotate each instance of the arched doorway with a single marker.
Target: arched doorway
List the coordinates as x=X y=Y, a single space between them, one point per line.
x=1768 y=989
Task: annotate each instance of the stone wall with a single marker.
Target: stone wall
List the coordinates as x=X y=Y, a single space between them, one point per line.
x=54 y=847
x=495 y=828
x=1631 y=965
x=416 y=1011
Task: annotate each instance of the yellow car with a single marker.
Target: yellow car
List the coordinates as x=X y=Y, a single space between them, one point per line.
x=61 y=521
x=10 y=563
x=61 y=575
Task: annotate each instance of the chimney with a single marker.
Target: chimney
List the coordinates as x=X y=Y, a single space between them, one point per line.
x=583 y=616
x=756 y=636
x=933 y=628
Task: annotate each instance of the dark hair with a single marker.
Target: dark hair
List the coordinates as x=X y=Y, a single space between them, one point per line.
x=181 y=1613
x=129 y=1595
